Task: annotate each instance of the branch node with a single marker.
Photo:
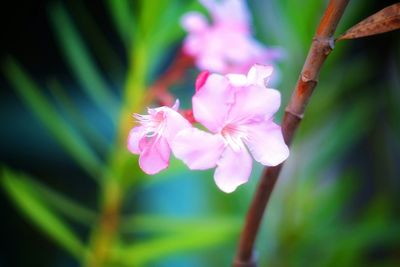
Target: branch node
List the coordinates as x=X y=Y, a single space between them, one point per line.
x=299 y=116
x=305 y=77
x=326 y=43
x=321 y=46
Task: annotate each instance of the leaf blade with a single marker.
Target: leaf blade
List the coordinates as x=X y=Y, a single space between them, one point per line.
x=20 y=193
x=180 y=237
x=80 y=62
x=388 y=19
x=47 y=114
x=123 y=20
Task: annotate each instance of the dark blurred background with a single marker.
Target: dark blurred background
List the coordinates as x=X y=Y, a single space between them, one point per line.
x=337 y=202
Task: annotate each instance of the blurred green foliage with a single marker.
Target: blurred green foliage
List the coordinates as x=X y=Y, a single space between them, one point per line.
x=336 y=203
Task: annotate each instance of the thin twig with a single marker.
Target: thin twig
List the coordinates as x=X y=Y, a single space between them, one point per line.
x=159 y=90
x=321 y=46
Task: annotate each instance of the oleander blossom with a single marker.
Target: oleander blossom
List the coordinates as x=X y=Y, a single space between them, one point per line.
x=238 y=110
x=226 y=45
x=152 y=138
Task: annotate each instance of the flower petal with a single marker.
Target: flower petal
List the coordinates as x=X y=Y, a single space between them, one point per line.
x=254 y=102
x=174 y=123
x=234 y=169
x=237 y=79
x=194 y=22
x=201 y=79
x=133 y=139
x=259 y=74
x=199 y=150
x=231 y=12
x=154 y=155
x=266 y=144
x=193 y=45
x=212 y=102
x=176 y=105
x=210 y=61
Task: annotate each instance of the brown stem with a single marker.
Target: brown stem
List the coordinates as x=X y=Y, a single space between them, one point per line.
x=321 y=46
x=159 y=90
x=105 y=233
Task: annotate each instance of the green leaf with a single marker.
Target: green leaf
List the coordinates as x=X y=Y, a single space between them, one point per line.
x=45 y=111
x=151 y=223
x=60 y=203
x=80 y=122
x=98 y=41
x=123 y=19
x=25 y=199
x=181 y=238
x=340 y=138
x=81 y=63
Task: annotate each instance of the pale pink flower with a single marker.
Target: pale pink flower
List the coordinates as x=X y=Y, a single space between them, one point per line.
x=226 y=46
x=239 y=111
x=152 y=138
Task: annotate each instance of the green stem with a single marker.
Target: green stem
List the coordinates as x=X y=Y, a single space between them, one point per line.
x=104 y=234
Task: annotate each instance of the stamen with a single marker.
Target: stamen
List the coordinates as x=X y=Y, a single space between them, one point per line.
x=234 y=136
x=153 y=123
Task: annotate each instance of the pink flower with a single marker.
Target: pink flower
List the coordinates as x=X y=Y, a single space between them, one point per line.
x=226 y=46
x=239 y=111
x=153 y=137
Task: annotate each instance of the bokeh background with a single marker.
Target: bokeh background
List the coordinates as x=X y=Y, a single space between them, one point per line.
x=66 y=69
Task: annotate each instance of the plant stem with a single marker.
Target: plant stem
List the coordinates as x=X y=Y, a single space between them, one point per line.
x=174 y=73
x=135 y=99
x=322 y=45
x=105 y=233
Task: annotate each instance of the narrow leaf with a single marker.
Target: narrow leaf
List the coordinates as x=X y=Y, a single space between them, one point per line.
x=82 y=124
x=45 y=111
x=202 y=237
x=151 y=223
x=60 y=203
x=81 y=63
x=388 y=19
x=24 y=198
x=123 y=19
x=98 y=41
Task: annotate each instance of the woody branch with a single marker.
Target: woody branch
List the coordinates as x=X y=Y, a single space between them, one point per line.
x=321 y=46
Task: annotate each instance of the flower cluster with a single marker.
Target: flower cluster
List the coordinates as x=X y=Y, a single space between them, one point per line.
x=238 y=112
x=226 y=45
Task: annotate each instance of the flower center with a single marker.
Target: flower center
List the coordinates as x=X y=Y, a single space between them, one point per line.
x=234 y=136
x=153 y=123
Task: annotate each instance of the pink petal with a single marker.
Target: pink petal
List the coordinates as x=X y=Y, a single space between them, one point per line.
x=266 y=144
x=133 y=139
x=174 y=122
x=194 y=22
x=155 y=154
x=274 y=53
x=213 y=62
x=253 y=102
x=199 y=150
x=259 y=74
x=237 y=79
x=232 y=12
x=193 y=45
x=176 y=105
x=237 y=41
x=234 y=169
x=201 y=79
x=212 y=102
